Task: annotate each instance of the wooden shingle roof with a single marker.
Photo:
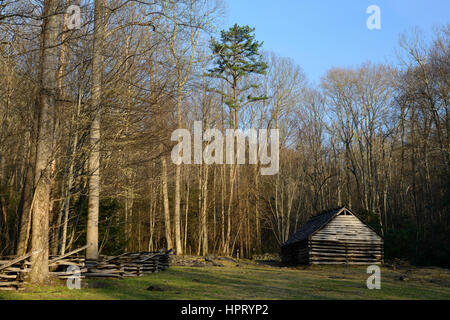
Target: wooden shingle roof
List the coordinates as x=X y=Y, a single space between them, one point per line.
x=312 y=226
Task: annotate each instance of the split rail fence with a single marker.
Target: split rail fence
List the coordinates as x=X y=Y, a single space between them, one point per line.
x=14 y=270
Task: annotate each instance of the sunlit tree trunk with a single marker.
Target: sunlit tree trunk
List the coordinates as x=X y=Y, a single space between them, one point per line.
x=94 y=157
x=166 y=203
x=40 y=219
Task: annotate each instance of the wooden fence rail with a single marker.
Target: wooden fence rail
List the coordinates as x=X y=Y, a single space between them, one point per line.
x=13 y=273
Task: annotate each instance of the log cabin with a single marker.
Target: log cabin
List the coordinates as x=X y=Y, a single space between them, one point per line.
x=334 y=237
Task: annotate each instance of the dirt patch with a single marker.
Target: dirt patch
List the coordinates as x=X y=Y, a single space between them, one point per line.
x=197 y=262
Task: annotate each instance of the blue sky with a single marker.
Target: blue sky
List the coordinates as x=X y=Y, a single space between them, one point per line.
x=320 y=34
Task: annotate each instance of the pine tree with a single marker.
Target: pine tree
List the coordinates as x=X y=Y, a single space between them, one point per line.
x=237 y=57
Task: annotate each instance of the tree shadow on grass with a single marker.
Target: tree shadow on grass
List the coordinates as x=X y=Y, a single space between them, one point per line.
x=216 y=284
x=269 y=263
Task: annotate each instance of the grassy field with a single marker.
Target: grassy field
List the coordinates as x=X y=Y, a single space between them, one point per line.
x=252 y=281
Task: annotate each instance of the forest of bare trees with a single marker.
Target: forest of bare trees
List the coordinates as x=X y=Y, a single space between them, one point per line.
x=87 y=114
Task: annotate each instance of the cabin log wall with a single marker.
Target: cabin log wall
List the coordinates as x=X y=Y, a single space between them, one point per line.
x=298 y=253
x=345 y=240
x=335 y=237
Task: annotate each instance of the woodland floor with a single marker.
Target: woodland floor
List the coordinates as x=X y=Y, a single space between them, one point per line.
x=250 y=280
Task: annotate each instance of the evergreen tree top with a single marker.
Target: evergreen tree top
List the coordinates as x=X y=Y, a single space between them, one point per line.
x=237 y=53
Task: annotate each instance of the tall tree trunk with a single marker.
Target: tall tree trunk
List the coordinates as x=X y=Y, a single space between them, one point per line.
x=205 y=209
x=166 y=203
x=177 y=216
x=257 y=218
x=41 y=206
x=186 y=216
x=94 y=157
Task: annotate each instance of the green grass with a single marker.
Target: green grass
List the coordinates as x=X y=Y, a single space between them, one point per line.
x=254 y=282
